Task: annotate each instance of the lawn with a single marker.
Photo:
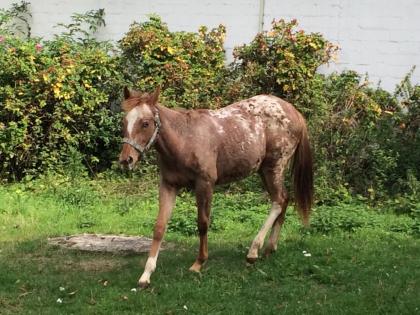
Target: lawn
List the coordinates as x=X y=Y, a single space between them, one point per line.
x=363 y=261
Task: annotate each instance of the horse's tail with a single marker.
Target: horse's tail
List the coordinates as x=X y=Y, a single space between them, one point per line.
x=303 y=175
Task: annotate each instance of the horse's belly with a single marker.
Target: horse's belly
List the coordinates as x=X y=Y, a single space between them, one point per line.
x=242 y=143
x=239 y=161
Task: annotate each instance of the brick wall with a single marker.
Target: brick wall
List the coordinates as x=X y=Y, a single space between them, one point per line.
x=379 y=37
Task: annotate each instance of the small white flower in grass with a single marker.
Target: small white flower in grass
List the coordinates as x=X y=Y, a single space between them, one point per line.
x=185 y=307
x=306 y=254
x=62 y=289
x=59 y=301
x=133 y=290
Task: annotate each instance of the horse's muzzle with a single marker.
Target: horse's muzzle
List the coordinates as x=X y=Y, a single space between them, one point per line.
x=127 y=163
x=128 y=157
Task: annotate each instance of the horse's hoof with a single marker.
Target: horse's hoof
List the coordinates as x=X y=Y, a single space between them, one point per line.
x=196 y=267
x=251 y=260
x=143 y=285
x=268 y=251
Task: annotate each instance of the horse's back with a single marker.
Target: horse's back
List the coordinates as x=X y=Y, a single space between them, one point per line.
x=252 y=131
x=272 y=114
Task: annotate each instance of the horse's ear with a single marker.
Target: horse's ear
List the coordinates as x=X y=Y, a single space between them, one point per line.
x=155 y=96
x=127 y=93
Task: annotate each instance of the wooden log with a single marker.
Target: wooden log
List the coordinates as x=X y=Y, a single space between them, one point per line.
x=105 y=243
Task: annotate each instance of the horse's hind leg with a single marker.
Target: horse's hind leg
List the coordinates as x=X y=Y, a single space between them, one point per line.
x=275 y=230
x=273 y=176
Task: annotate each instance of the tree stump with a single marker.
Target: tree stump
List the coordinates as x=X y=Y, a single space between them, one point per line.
x=105 y=243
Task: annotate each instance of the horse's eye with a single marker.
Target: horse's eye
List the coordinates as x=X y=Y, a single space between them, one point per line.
x=145 y=124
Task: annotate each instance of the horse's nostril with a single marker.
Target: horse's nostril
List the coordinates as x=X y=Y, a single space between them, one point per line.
x=123 y=162
x=129 y=160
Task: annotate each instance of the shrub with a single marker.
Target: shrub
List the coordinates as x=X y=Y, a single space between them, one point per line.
x=406 y=130
x=188 y=66
x=351 y=136
x=55 y=95
x=407 y=202
x=281 y=62
x=368 y=138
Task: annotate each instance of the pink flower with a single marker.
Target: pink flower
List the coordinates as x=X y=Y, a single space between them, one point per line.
x=1 y=39
x=38 y=47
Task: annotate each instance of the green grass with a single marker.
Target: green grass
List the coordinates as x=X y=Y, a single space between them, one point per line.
x=362 y=262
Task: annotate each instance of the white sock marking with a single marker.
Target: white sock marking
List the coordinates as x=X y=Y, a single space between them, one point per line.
x=259 y=239
x=149 y=269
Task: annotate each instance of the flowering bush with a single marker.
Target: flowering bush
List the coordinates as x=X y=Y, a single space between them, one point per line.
x=280 y=61
x=55 y=95
x=188 y=66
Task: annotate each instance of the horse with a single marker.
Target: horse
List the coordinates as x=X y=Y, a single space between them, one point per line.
x=201 y=148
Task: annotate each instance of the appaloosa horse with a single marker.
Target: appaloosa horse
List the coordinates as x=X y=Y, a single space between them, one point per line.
x=203 y=148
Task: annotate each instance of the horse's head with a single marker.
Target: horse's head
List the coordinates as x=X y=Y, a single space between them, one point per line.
x=141 y=124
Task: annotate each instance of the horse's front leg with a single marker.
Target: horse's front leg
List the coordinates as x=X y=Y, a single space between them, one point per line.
x=204 y=194
x=167 y=195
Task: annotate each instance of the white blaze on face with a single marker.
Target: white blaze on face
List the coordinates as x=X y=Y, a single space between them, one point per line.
x=134 y=115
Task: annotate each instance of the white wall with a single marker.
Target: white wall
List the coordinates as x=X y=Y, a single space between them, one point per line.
x=380 y=37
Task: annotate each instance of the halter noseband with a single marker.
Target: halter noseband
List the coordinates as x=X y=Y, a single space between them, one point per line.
x=139 y=148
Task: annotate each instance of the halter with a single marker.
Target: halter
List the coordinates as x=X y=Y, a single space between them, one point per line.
x=139 y=148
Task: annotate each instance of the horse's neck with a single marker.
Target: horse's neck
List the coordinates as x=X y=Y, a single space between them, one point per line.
x=170 y=138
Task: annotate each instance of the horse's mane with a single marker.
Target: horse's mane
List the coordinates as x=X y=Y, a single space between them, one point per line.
x=129 y=103
x=180 y=109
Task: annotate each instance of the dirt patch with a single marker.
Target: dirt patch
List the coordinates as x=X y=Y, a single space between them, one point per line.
x=9 y=306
